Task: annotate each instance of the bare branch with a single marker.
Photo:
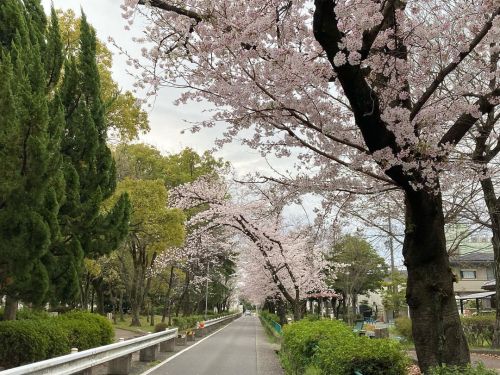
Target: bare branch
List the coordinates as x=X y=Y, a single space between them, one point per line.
x=164 y=5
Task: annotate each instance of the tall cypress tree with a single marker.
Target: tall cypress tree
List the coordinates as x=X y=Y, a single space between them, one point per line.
x=31 y=123
x=89 y=172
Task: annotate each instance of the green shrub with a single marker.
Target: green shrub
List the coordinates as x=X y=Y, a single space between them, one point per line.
x=26 y=313
x=269 y=316
x=160 y=327
x=368 y=356
x=403 y=326
x=331 y=348
x=20 y=343
x=82 y=334
x=479 y=329
x=26 y=341
x=58 y=340
x=454 y=370
x=38 y=336
x=301 y=341
x=104 y=328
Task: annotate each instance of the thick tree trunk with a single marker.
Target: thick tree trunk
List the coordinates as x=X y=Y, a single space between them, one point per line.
x=92 y=301
x=10 y=310
x=181 y=303
x=353 y=309
x=297 y=311
x=136 y=322
x=151 y=314
x=282 y=312
x=493 y=210
x=120 y=306
x=166 y=306
x=99 y=292
x=436 y=326
x=135 y=300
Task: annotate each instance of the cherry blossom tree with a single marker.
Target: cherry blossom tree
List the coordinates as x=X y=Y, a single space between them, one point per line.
x=366 y=94
x=279 y=259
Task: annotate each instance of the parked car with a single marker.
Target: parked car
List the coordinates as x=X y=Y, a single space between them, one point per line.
x=248 y=312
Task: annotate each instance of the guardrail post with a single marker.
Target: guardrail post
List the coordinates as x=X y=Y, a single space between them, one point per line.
x=181 y=341
x=167 y=346
x=148 y=354
x=120 y=366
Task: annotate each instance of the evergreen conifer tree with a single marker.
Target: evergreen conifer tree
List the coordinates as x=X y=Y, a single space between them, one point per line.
x=89 y=172
x=31 y=124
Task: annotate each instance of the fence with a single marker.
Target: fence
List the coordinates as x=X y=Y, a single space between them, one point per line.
x=273 y=326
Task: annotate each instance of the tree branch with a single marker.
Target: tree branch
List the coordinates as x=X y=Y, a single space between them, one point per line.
x=161 y=4
x=451 y=67
x=466 y=120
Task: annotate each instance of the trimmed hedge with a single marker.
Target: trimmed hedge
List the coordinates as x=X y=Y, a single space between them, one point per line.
x=329 y=347
x=97 y=328
x=35 y=339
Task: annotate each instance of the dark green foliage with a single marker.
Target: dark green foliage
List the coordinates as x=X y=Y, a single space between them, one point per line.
x=29 y=314
x=29 y=156
x=26 y=341
x=330 y=348
x=20 y=343
x=89 y=174
x=56 y=167
x=36 y=336
x=469 y=370
x=100 y=324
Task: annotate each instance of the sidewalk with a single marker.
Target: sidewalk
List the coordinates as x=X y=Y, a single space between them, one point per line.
x=490 y=361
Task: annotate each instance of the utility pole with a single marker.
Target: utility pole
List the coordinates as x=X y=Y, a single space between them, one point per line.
x=391 y=245
x=206 y=291
x=391 y=250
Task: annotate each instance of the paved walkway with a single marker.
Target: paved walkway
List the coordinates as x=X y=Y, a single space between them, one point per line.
x=489 y=361
x=124 y=334
x=240 y=348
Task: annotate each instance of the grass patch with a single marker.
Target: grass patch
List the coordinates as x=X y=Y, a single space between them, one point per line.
x=144 y=328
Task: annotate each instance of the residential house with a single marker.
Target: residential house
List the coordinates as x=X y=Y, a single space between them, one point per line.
x=473 y=270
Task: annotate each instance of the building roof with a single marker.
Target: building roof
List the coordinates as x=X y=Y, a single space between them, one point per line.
x=475 y=295
x=489 y=285
x=474 y=257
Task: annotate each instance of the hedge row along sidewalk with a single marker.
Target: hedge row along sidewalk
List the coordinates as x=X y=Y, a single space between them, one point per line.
x=329 y=347
x=40 y=337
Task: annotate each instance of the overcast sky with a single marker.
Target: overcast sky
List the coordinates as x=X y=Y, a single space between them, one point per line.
x=167 y=120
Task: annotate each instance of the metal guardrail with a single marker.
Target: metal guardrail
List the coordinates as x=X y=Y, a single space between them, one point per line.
x=77 y=362
x=118 y=354
x=215 y=321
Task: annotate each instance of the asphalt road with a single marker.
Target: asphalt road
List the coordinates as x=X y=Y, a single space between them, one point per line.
x=241 y=348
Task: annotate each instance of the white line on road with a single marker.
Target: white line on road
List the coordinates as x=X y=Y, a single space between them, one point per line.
x=182 y=351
